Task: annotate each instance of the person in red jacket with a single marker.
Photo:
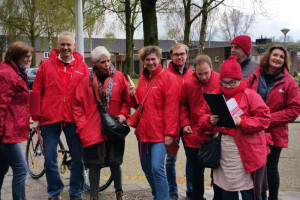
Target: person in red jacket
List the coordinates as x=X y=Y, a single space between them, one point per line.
x=243 y=149
x=14 y=115
x=158 y=125
x=280 y=92
x=203 y=80
x=56 y=81
x=110 y=87
x=181 y=69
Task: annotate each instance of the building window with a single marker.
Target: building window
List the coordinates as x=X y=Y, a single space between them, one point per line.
x=46 y=54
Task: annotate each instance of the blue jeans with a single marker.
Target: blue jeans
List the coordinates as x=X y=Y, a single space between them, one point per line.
x=11 y=154
x=51 y=134
x=171 y=173
x=196 y=171
x=246 y=195
x=152 y=161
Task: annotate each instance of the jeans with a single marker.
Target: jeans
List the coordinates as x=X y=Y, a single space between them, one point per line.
x=152 y=160
x=246 y=195
x=272 y=172
x=51 y=134
x=196 y=171
x=171 y=173
x=11 y=154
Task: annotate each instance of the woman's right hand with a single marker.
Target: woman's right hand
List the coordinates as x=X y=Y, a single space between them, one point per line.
x=214 y=119
x=132 y=90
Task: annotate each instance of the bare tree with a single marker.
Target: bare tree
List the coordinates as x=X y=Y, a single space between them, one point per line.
x=234 y=23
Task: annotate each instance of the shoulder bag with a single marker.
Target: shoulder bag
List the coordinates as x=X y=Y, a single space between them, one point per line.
x=112 y=128
x=210 y=152
x=134 y=119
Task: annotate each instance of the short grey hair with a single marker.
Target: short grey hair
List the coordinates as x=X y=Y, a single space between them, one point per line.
x=66 y=33
x=98 y=52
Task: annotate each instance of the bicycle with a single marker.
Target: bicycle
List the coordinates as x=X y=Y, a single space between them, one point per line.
x=35 y=161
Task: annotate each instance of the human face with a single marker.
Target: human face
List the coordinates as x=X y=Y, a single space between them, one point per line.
x=179 y=56
x=238 y=52
x=151 y=62
x=25 y=60
x=103 y=63
x=203 y=72
x=66 y=46
x=276 y=60
x=230 y=83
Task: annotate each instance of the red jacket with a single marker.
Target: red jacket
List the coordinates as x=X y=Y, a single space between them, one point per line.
x=250 y=135
x=190 y=104
x=284 y=103
x=57 y=85
x=160 y=112
x=86 y=114
x=180 y=79
x=14 y=104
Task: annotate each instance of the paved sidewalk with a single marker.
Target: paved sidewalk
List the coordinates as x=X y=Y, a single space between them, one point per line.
x=135 y=185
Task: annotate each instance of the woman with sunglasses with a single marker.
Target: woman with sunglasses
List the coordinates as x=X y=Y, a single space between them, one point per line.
x=272 y=81
x=243 y=149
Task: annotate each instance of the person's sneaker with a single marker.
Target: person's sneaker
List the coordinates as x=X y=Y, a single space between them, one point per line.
x=189 y=195
x=173 y=197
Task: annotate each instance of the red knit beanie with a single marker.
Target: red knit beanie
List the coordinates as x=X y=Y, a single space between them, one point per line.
x=244 y=41
x=231 y=69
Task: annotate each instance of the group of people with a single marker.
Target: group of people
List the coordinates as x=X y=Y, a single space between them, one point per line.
x=174 y=109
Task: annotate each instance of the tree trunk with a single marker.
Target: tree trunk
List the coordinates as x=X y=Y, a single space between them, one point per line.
x=187 y=24
x=203 y=27
x=149 y=22
x=129 y=40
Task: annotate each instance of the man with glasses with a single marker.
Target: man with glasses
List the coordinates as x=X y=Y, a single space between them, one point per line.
x=241 y=49
x=56 y=81
x=181 y=69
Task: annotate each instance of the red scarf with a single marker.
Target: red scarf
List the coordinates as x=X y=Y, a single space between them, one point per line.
x=235 y=93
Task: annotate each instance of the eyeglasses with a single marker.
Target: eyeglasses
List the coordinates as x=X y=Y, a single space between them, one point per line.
x=230 y=83
x=178 y=54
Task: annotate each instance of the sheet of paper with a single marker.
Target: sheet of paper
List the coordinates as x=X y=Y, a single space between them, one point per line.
x=234 y=108
x=130 y=81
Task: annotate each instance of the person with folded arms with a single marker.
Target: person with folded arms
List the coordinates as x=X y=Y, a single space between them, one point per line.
x=243 y=149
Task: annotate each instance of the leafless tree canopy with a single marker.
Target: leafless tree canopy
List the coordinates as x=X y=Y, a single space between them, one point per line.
x=234 y=23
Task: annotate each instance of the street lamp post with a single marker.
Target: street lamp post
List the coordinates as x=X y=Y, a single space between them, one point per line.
x=285 y=31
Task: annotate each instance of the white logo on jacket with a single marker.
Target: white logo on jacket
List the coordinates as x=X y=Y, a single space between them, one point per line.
x=281 y=91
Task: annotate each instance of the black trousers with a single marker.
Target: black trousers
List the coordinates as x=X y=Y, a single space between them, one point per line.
x=273 y=174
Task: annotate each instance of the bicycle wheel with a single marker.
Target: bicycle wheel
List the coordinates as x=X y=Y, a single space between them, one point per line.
x=34 y=156
x=105 y=179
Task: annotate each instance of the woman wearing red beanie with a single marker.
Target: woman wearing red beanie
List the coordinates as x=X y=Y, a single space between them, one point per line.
x=243 y=149
x=280 y=92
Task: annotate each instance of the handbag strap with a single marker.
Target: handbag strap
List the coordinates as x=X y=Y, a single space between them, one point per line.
x=93 y=89
x=150 y=87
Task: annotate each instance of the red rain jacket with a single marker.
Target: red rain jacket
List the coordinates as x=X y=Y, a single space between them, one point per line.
x=57 y=85
x=14 y=105
x=86 y=113
x=161 y=108
x=191 y=102
x=284 y=103
x=250 y=135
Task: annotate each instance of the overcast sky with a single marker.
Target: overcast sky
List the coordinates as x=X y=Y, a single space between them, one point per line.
x=284 y=14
